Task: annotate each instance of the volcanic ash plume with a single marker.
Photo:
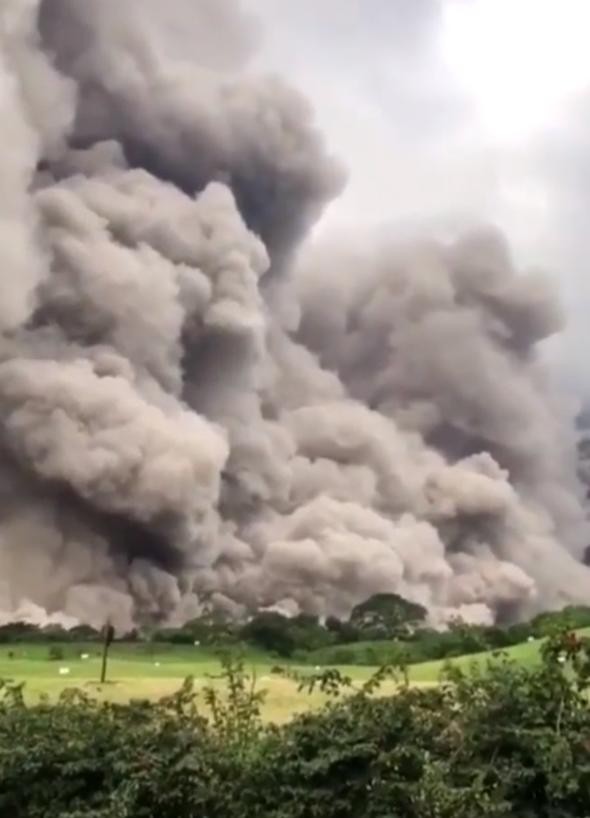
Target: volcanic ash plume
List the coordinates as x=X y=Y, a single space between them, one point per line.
x=192 y=413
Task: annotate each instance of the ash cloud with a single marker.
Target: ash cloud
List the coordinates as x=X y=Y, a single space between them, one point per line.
x=193 y=410
x=187 y=123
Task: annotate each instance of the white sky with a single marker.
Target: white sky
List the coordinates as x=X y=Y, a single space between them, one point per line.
x=449 y=112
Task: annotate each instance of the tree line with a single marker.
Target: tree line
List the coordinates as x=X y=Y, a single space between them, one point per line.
x=385 y=628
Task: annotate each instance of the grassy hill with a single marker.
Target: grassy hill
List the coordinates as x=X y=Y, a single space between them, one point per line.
x=377 y=653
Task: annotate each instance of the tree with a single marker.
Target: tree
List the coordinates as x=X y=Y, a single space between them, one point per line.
x=270 y=631
x=344 y=632
x=385 y=616
x=82 y=633
x=308 y=634
x=570 y=617
x=18 y=632
x=210 y=628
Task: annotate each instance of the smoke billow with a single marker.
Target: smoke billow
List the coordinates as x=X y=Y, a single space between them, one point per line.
x=192 y=413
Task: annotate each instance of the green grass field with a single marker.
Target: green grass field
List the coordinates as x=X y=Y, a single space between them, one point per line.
x=136 y=672
x=142 y=671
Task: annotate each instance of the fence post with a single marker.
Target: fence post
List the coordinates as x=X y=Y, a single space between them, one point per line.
x=108 y=632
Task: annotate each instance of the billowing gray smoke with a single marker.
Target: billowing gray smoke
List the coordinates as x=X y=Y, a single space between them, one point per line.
x=192 y=414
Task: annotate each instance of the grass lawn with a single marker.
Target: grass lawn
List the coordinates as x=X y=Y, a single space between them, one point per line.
x=142 y=671
x=136 y=671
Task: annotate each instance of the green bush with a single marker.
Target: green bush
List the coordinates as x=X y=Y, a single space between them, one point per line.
x=55 y=653
x=79 y=758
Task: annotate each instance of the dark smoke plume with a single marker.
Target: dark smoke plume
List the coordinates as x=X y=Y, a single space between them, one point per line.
x=192 y=415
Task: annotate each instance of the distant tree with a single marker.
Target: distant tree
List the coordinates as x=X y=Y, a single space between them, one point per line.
x=270 y=631
x=570 y=617
x=27 y=632
x=344 y=632
x=211 y=628
x=518 y=632
x=53 y=633
x=18 y=632
x=175 y=636
x=309 y=634
x=55 y=653
x=83 y=633
x=465 y=638
x=386 y=616
x=496 y=637
x=207 y=629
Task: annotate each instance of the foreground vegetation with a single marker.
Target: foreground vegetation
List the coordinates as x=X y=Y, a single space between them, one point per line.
x=507 y=741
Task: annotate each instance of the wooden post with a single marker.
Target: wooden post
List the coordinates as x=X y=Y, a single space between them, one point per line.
x=108 y=633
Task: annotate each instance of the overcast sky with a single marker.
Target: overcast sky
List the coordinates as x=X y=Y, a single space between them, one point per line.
x=450 y=112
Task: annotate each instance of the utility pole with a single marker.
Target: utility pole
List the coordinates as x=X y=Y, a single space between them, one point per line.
x=108 y=633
